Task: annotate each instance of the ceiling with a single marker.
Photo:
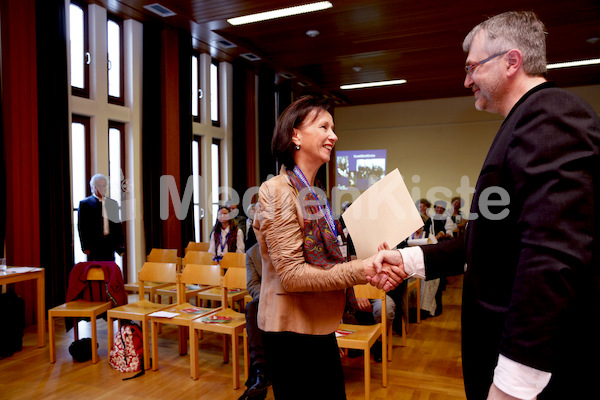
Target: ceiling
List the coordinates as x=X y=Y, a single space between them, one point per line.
x=373 y=40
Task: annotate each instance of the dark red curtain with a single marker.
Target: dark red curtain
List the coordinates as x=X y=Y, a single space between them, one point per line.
x=56 y=231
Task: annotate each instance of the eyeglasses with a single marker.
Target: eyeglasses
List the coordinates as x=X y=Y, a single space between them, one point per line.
x=469 y=68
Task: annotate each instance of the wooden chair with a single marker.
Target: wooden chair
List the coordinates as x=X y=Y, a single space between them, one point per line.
x=139 y=311
x=364 y=336
x=233 y=278
x=192 y=274
x=197 y=246
x=229 y=260
x=80 y=309
x=163 y=256
x=192 y=257
x=233 y=260
x=155 y=256
x=198 y=257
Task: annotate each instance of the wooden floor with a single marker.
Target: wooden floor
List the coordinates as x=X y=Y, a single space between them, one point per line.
x=428 y=368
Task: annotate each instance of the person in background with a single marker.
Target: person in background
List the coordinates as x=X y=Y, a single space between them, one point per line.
x=440 y=225
x=423 y=206
x=238 y=215
x=99 y=225
x=304 y=278
x=250 y=235
x=457 y=216
x=225 y=236
x=531 y=258
x=258 y=378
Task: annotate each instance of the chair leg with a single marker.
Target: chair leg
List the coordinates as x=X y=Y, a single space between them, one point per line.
x=246 y=355
x=225 y=349
x=236 y=360
x=194 y=368
x=75 y=329
x=418 y=301
x=146 y=344
x=94 y=340
x=404 y=332
x=182 y=340
x=51 y=344
x=367 y=373
x=109 y=322
x=154 y=345
x=390 y=334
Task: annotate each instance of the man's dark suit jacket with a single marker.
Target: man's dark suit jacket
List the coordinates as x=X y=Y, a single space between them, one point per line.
x=91 y=232
x=532 y=279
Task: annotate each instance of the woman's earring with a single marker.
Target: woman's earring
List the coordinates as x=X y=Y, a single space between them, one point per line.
x=297 y=147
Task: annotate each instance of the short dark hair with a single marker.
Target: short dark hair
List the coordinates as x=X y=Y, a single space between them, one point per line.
x=292 y=117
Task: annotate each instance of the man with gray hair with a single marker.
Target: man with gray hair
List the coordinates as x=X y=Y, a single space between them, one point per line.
x=531 y=251
x=99 y=224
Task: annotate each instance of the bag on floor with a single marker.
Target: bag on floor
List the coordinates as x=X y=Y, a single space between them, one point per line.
x=127 y=354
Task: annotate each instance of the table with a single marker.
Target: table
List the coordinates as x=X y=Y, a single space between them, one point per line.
x=21 y=274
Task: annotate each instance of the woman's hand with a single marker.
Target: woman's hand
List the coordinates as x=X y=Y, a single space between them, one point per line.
x=385 y=270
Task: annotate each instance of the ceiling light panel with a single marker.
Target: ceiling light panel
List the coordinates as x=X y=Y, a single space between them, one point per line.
x=372 y=84
x=573 y=64
x=283 y=12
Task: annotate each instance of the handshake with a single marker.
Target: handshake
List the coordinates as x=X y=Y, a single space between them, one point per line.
x=385 y=270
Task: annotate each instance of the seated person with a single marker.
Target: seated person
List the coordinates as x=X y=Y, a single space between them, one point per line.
x=361 y=311
x=225 y=236
x=440 y=225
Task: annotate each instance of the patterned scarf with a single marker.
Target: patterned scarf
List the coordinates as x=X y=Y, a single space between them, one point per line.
x=320 y=244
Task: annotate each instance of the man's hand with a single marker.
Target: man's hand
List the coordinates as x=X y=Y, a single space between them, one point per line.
x=385 y=269
x=364 y=304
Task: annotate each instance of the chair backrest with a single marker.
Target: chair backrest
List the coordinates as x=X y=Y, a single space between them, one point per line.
x=197 y=246
x=198 y=257
x=233 y=260
x=368 y=291
x=95 y=274
x=156 y=272
x=234 y=278
x=201 y=274
x=95 y=284
x=163 y=256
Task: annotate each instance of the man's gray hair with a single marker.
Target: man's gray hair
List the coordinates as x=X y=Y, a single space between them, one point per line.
x=95 y=178
x=520 y=30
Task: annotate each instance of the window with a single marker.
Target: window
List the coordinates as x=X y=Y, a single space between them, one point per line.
x=197 y=93
x=116 y=166
x=114 y=29
x=80 y=175
x=196 y=172
x=80 y=56
x=214 y=92
x=215 y=150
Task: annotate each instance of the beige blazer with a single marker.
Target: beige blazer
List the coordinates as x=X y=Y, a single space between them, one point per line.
x=296 y=296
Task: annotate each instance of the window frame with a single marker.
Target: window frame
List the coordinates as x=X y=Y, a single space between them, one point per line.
x=86 y=122
x=196 y=96
x=119 y=100
x=216 y=123
x=121 y=128
x=85 y=91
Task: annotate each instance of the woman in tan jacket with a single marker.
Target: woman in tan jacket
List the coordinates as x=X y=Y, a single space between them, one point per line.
x=304 y=273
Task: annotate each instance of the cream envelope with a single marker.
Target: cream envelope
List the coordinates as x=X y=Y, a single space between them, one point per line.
x=384 y=212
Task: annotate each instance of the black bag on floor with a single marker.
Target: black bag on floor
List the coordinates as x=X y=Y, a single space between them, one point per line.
x=12 y=312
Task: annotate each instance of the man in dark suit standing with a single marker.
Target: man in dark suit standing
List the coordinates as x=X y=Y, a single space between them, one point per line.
x=99 y=224
x=531 y=252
